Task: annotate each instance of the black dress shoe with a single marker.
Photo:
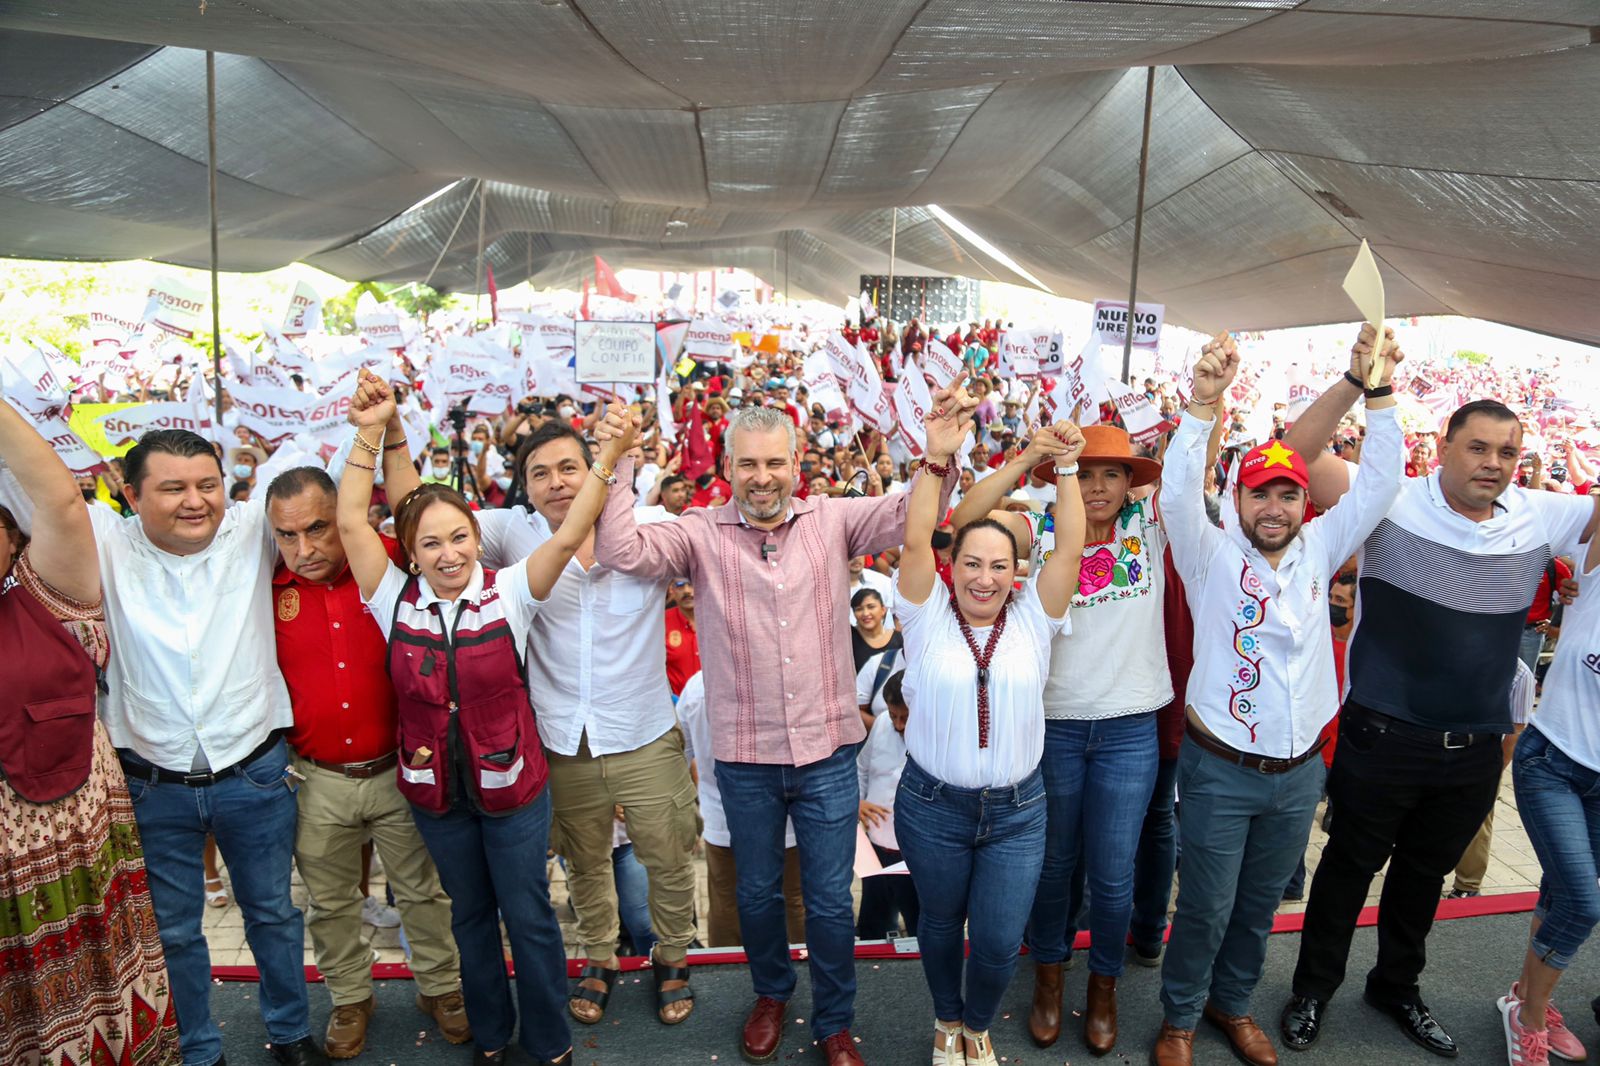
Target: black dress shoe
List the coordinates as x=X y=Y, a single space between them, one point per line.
x=481 y=1057
x=1302 y=1022
x=303 y=1052
x=1419 y=1027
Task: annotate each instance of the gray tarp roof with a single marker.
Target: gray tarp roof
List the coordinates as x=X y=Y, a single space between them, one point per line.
x=1461 y=136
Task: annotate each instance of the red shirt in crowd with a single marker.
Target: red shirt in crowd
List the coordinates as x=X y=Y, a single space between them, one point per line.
x=334 y=660
x=683 y=650
x=713 y=495
x=1542 y=597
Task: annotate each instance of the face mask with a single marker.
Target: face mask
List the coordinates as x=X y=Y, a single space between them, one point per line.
x=566 y=412
x=1339 y=615
x=242 y=471
x=88 y=494
x=503 y=483
x=477 y=448
x=441 y=471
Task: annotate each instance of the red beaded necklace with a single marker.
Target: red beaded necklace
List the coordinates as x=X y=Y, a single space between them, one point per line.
x=981 y=660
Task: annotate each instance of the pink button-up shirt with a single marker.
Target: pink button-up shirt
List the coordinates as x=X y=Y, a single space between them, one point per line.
x=771 y=610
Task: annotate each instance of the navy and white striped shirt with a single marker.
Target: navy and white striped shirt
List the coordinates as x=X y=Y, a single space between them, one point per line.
x=1441 y=604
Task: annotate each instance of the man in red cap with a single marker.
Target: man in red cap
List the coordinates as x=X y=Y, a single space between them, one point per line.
x=1262 y=688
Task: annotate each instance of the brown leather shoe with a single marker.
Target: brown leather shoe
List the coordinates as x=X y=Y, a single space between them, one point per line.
x=1100 y=1019
x=1249 y=1042
x=449 y=1013
x=347 y=1028
x=1044 y=1020
x=841 y=1050
x=1174 y=1047
x=763 y=1029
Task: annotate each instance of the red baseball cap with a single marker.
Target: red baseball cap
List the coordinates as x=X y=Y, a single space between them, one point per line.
x=1271 y=461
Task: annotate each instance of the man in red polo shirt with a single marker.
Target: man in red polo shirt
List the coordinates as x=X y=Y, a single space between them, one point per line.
x=332 y=657
x=683 y=645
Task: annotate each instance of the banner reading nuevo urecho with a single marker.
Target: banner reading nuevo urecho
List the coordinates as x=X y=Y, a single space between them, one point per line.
x=1111 y=323
x=615 y=351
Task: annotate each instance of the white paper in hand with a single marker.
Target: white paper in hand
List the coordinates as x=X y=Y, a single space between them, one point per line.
x=1364 y=285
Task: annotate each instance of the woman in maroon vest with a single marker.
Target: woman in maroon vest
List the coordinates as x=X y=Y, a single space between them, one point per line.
x=470 y=760
x=82 y=977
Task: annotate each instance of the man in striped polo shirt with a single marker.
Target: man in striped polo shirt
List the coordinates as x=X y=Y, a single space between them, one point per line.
x=1445 y=583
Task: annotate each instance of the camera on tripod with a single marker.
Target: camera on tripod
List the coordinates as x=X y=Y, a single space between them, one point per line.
x=458 y=417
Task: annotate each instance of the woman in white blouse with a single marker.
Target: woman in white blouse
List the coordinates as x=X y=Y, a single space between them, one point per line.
x=970 y=811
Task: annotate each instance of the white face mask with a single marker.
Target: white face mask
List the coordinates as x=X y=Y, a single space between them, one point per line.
x=503 y=482
x=441 y=471
x=566 y=412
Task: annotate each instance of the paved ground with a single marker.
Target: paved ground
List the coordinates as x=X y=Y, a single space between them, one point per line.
x=1512 y=868
x=1471 y=961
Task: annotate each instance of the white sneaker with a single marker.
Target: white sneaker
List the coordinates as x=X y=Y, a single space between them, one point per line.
x=1524 y=1047
x=379 y=914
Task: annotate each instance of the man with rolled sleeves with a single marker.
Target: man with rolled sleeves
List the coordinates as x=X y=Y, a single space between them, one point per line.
x=332 y=657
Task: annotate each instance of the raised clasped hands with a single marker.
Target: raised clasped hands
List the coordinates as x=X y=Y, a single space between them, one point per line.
x=373 y=402
x=1361 y=355
x=1214 y=372
x=615 y=432
x=950 y=418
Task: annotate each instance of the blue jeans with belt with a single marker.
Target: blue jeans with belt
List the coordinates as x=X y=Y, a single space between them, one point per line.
x=975 y=856
x=1242 y=833
x=820 y=798
x=1098 y=775
x=1560 y=804
x=494 y=868
x=252 y=814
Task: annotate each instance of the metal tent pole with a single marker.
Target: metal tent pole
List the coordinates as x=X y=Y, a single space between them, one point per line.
x=894 y=221
x=1138 y=224
x=477 y=277
x=211 y=177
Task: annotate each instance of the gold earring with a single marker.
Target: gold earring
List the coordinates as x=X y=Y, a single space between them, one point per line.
x=414 y=568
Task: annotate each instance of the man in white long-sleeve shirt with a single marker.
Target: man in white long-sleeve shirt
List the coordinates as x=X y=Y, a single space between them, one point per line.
x=1263 y=687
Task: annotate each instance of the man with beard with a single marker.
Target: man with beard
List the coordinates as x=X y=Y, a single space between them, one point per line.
x=1262 y=689
x=780 y=692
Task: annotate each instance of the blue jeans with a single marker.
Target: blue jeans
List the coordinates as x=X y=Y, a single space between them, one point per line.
x=633 y=898
x=1530 y=648
x=974 y=855
x=252 y=814
x=1242 y=832
x=1155 y=862
x=1098 y=776
x=1560 y=804
x=494 y=868
x=821 y=799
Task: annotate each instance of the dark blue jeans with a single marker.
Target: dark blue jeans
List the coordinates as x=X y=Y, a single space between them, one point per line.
x=633 y=898
x=1155 y=862
x=1560 y=804
x=252 y=815
x=974 y=855
x=494 y=868
x=1098 y=776
x=821 y=800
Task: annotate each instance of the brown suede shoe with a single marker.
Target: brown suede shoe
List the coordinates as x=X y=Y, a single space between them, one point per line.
x=1044 y=1020
x=1174 y=1047
x=1100 y=1019
x=449 y=1013
x=1249 y=1042
x=347 y=1029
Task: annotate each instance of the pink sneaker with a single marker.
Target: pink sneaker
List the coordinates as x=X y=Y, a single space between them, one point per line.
x=1524 y=1047
x=1563 y=1044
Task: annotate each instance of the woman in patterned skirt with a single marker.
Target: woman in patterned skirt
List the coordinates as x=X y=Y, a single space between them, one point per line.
x=82 y=979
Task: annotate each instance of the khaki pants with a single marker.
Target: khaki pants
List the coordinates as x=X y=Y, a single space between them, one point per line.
x=1475 y=861
x=722 y=886
x=337 y=816
x=652 y=786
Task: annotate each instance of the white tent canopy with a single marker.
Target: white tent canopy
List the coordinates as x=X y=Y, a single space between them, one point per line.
x=1462 y=138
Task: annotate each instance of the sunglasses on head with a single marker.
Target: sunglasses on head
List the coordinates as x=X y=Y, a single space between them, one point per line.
x=679 y=584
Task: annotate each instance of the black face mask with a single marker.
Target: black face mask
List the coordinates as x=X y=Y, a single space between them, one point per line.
x=88 y=494
x=1338 y=614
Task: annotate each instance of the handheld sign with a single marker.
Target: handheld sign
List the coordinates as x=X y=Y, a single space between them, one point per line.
x=1364 y=285
x=615 y=351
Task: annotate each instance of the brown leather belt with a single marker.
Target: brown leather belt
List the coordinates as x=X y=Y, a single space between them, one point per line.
x=358 y=770
x=1243 y=758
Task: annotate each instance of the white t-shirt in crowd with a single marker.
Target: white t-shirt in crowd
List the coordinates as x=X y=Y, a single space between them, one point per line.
x=883 y=585
x=867 y=676
x=878 y=768
x=697 y=738
x=1114 y=661
x=941 y=690
x=1569 y=712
